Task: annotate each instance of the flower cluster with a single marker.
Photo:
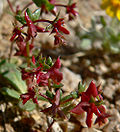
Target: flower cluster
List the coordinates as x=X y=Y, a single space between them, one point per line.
x=91 y=102
x=28 y=20
x=24 y=47
x=57 y=29
x=71 y=12
x=42 y=72
x=40 y=76
x=112 y=7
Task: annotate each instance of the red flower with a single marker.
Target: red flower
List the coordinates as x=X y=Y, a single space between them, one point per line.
x=57 y=26
x=88 y=105
x=16 y=33
x=59 y=39
x=22 y=47
x=54 y=73
x=102 y=119
x=91 y=91
x=70 y=10
x=32 y=29
x=32 y=32
x=30 y=95
x=79 y=109
x=42 y=78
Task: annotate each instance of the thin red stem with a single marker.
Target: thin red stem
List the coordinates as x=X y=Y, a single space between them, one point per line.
x=60 y=5
x=10 y=5
x=48 y=130
x=27 y=6
x=11 y=49
x=43 y=20
x=40 y=20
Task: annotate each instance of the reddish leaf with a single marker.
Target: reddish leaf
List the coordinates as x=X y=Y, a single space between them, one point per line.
x=31 y=27
x=30 y=95
x=54 y=72
x=92 y=90
x=79 y=108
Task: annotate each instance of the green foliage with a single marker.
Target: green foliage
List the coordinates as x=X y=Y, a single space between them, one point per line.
x=49 y=94
x=11 y=76
x=33 y=16
x=74 y=94
x=21 y=19
x=29 y=105
x=81 y=87
x=108 y=35
x=47 y=4
x=49 y=61
x=10 y=92
x=12 y=85
x=57 y=85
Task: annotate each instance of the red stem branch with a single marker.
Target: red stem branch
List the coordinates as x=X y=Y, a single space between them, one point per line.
x=27 y=6
x=60 y=5
x=10 y=5
x=48 y=130
x=40 y=20
x=44 y=96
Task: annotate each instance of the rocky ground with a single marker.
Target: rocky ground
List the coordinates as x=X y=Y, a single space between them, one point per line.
x=77 y=66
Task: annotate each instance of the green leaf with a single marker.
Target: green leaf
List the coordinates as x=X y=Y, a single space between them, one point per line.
x=61 y=93
x=102 y=20
x=10 y=92
x=93 y=23
x=9 y=75
x=114 y=49
x=57 y=86
x=81 y=87
x=68 y=108
x=36 y=15
x=106 y=45
x=74 y=94
x=49 y=61
x=41 y=98
x=65 y=101
x=66 y=98
x=21 y=19
x=92 y=100
x=29 y=105
x=86 y=44
x=2 y=62
x=47 y=4
x=33 y=16
x=29 y=12
x=49 y=94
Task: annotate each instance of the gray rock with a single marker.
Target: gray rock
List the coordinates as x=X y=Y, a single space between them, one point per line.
x=70 y=80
